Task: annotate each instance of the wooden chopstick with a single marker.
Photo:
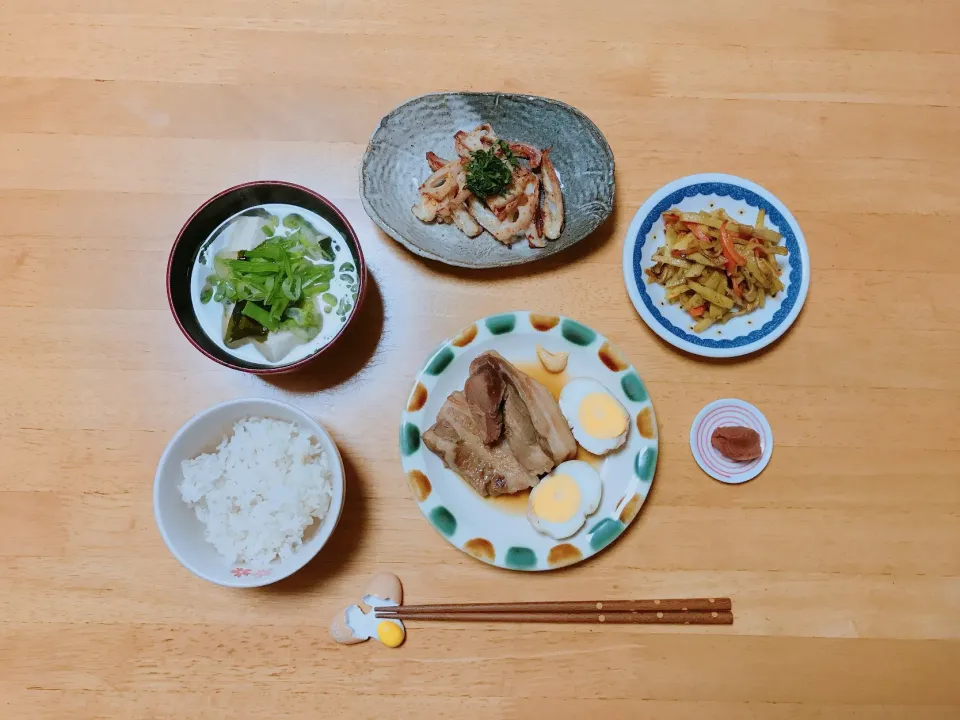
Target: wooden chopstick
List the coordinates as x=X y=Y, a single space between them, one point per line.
x=589 y=606
x=721 y=617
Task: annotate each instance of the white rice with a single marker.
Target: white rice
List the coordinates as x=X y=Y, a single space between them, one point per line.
x=260 y=491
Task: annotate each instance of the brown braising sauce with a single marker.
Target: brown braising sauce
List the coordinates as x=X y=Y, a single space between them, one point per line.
x=515 y=504
x=554 y=382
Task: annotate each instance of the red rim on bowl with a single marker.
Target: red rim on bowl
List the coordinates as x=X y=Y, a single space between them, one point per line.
x=250 y=188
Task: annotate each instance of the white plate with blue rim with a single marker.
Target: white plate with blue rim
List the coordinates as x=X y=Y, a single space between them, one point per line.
x=742 y=200
x=496 y=530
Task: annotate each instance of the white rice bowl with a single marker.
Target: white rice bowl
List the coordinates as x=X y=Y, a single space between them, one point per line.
x=260 y=491
x=276 y=504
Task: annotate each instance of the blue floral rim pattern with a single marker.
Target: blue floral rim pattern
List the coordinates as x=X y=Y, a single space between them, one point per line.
x=737 y=193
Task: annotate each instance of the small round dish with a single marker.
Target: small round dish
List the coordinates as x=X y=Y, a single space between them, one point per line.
x=740 y=199
x=496 y=530
x=196 y=235
x=724 y=413
x=178 y=524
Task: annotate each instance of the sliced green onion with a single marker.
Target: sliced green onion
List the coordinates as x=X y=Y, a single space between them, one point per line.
x=263 y=251
x=259 y=267
x=220 y=267
x=291 y=288
x=316 y=289
x=255 y=312
x=275 y=283
x=276 y=310
x=298 y=316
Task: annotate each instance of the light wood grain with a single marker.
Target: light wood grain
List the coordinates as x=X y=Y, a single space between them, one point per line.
x=843 y=559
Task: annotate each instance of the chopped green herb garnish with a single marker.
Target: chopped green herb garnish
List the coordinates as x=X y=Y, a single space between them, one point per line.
x=487 y=174
x=507 y=153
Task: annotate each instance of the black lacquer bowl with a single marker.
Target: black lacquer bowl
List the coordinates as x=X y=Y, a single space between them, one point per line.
x=206 y=219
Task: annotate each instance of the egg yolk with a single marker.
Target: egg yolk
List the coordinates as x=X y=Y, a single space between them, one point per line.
x=390 y=634
x=556 y=499
x=601 y=416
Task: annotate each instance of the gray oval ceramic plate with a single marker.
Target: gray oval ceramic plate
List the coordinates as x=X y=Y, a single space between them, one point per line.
x=394 y=166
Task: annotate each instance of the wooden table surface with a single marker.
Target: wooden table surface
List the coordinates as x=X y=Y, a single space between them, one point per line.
x=117 y=119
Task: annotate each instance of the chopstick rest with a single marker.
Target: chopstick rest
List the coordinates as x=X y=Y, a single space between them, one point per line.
x=352 y=625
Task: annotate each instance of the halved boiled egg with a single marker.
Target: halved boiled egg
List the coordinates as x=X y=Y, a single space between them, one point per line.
x=597 y=419
x=560 y=503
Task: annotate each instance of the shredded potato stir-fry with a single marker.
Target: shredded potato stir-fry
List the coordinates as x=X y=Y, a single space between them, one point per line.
x=716 y=268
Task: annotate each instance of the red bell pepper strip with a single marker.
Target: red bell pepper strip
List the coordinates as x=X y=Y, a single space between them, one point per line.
x=698 y=310
x=729 y=251
x=701 y=236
